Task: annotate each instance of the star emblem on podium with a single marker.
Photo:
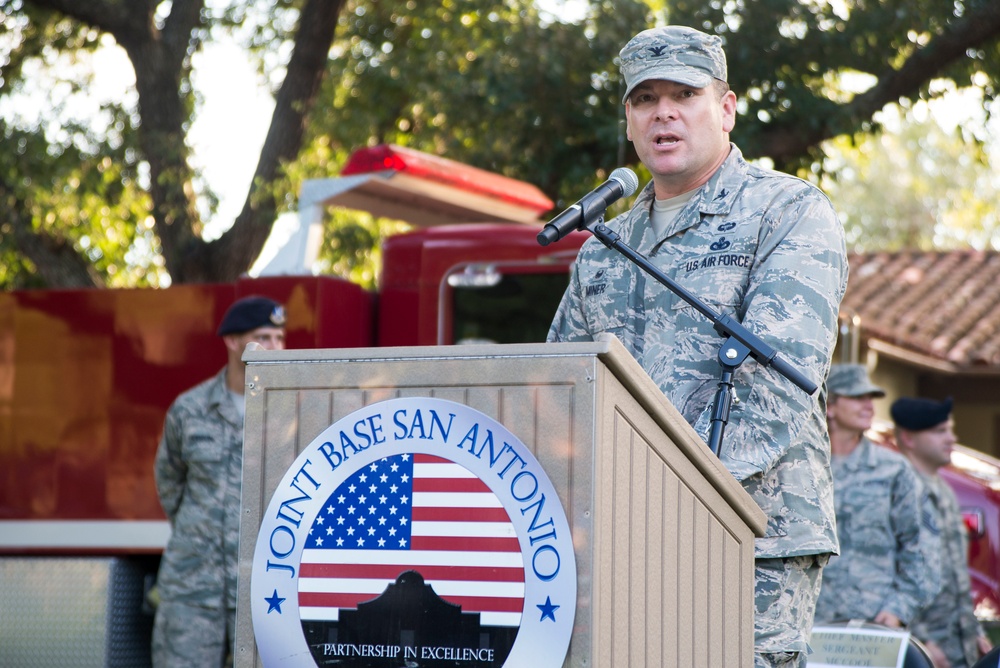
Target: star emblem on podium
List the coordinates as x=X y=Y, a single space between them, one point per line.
x=548 y=609
x=274 y=602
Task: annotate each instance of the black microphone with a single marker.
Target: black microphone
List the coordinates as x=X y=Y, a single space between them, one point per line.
x=622 y=183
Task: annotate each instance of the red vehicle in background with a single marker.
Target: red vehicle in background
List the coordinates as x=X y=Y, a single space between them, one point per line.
x=975 y=477
x=86 y=377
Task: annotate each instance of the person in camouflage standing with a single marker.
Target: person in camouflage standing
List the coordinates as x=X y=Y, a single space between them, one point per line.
x=948 y=625
x=763 y=247
x=885 y=572
x=198 y=469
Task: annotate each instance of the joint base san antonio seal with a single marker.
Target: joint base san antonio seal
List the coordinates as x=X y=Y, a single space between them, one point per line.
x=414 y=533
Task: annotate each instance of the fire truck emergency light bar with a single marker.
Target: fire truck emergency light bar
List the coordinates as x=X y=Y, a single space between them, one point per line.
x=423 y=189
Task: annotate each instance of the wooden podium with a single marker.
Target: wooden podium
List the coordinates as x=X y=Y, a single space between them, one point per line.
x=663 y=534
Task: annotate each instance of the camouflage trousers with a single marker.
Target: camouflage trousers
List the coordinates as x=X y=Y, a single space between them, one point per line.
x=191 y=636
x=785 y=595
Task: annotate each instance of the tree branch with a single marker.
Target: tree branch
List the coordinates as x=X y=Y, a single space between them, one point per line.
x=940 y=53
x=785 y=143
x=112 y=16
x=178 y=31
x=160 y=60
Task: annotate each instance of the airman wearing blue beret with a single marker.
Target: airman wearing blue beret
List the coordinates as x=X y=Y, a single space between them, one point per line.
x=198 y=470
x=948 y=625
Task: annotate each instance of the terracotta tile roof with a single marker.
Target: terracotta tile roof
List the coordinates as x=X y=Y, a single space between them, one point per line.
x=944 y=306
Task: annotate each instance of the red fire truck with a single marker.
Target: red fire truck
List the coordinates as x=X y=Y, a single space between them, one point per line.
x=86 y=377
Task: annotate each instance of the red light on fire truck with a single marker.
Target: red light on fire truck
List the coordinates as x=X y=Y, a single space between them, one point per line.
x=469 y=179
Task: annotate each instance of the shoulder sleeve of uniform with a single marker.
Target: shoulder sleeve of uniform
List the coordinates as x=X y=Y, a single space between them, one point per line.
x=918 y=574
x=169 y=468
x=792 y=302
x=569 y=323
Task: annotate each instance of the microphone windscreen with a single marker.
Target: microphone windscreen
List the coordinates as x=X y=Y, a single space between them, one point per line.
x=628 y=179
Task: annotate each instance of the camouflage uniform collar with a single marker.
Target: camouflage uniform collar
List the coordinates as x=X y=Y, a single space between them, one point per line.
x=933 y=482
x=218 y=399
x=716 y=197
x=867 y=454
x=719 y=194
x=862 y=456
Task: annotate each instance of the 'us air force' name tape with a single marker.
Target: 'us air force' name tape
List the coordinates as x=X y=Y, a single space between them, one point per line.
x=689 y=267
x=720 y=260
x=412 y=530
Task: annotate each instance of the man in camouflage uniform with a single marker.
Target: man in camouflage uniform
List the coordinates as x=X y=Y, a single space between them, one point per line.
x=198 y=477
x=882 y=574
x=763 y=247
x=947 y=626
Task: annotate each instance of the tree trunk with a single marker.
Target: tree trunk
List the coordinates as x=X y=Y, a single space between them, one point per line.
x=236 y=250
x=161 y=59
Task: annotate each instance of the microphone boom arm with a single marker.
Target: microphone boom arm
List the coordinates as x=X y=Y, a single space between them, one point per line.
x=739 y=344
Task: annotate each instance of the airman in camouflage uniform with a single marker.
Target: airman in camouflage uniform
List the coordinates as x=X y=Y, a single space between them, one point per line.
x=948 y=625
x=883 y=573
x=198 y=473
x=763 y=247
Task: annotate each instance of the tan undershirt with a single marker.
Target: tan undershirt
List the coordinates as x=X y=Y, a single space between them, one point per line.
x=665 y=211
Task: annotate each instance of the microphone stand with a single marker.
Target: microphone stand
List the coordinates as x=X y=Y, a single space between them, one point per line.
x=739 y=344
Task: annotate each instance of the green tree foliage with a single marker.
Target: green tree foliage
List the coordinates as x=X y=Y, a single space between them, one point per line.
x=499 y=89
x=793 y=63
x=146 y=142
x=352 y=245
x=497 y=85
x=73 y=213
x=500 y=85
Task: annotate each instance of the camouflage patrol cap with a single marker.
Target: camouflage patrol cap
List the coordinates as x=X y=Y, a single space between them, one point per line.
x=672 y=53
x=249 y=313
x=851 y=380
